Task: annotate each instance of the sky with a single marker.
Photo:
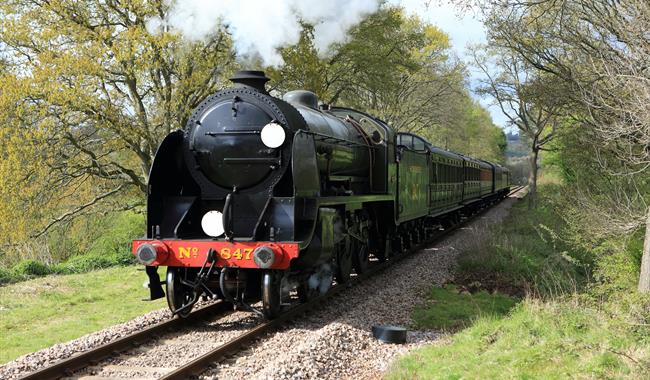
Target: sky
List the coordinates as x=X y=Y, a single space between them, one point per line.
x=463 y=29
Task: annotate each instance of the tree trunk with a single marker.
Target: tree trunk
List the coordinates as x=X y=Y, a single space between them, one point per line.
x=532 y=179
x=644 y=278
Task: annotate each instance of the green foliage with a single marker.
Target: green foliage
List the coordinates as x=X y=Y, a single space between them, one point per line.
x=85 y=245
x=88 y=93
x=7 y=276
x=526 y=252
x=544 y=251
x=536 y=341
x=400 y=69
x=111 y=247
x=469 y=130
x=42 y=312
x=449 y=308
x=377 y=53
x=93 y=261
x=28 y=269
x=604 y=212
x=31 y=268
x=616 y=270
x=117 y=238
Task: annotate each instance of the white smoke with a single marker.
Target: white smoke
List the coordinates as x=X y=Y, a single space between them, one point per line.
x=259 y=28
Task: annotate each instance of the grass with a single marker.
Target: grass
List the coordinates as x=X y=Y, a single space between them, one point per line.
x=41 y=312
x=525 y=253
x=535 y=341
x=580 y=317
x=77 y=247
x=449 y=308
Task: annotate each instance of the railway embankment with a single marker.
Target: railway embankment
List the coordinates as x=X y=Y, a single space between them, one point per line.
x=576 y=314
x=55 y=313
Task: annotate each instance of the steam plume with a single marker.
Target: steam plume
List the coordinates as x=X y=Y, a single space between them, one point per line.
x=260 y=27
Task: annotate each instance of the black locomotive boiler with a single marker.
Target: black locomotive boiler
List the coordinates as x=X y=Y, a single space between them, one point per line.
x=259 y=196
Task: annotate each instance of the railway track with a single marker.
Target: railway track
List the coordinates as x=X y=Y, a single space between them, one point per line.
x=84 y=359
x=90 y=360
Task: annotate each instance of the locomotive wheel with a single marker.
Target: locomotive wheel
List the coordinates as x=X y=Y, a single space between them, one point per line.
x=271 y=297
x=178 y=295
x=344 y=261
x=418 y=236
x=407 y=241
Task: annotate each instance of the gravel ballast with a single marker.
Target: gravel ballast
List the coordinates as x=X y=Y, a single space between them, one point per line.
x=333 y=342
x=336 y=341
x=31 y=362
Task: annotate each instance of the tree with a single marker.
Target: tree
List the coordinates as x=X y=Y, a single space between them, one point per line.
x=600 y=50
x=400 y=69
x=99 y=91
x=373 y=60
x=520 y=94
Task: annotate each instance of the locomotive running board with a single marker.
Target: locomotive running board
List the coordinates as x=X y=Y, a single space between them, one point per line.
x=332 y=201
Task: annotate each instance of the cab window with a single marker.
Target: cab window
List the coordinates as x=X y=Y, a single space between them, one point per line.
x=411 y=142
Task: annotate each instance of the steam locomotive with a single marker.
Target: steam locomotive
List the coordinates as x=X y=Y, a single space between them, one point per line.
x=259 y=197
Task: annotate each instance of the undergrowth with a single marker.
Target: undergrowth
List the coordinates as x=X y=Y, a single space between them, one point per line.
x=451 y=307
x=110 y=248
x=578 y=314
x=525 y=254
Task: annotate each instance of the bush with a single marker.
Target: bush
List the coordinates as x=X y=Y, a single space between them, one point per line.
x=31 y=268
x=117 y=237
x=616 y=272
x=112 y=248
x=101 y=243
x=528 y=252
x=93 y=261
x=7 y=276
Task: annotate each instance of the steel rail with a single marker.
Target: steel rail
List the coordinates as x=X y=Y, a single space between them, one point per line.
x=516 y=189
x=65 y=367
x=198 y=365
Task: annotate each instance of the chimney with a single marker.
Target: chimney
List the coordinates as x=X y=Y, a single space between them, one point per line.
x=250 y=78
